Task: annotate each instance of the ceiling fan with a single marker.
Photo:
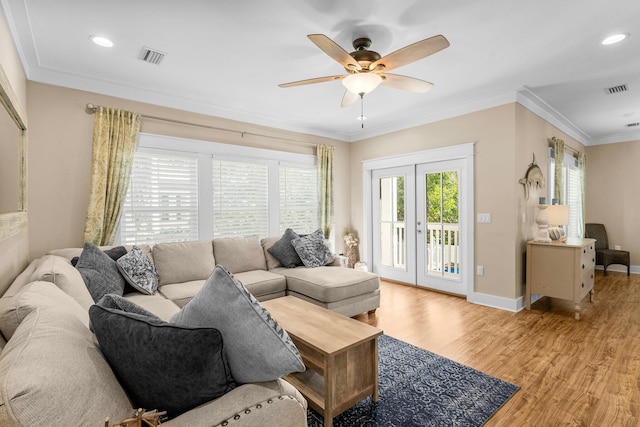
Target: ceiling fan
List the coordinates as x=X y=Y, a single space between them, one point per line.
x=366 y=69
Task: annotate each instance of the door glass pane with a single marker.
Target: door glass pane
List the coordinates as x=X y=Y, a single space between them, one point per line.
x=443 y=231
x=392 y=226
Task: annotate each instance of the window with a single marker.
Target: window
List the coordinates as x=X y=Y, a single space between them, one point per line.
x=572 y=191
x=194 y=190
x=240 y=199
x=161 y=204
x=298 y=199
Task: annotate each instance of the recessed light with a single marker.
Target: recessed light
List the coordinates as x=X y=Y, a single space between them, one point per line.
x=614 y=39
x=101 y=41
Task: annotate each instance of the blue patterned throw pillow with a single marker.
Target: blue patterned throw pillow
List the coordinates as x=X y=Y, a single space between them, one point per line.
x=138 y=271
x=312 y=249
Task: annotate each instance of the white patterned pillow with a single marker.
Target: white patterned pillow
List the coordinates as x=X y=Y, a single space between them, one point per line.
x=312 y=249
x=138 y=271
x=257 y=348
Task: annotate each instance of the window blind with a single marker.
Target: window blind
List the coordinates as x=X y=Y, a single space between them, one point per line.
x=161 y=204
x=298 y=199
x=240 y=199
x=572 y=191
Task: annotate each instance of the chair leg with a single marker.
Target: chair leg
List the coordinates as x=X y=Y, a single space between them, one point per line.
x=628 y=270
x=605 y=270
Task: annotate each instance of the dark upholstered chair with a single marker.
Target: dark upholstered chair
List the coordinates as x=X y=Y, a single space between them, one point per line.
x=604 y=255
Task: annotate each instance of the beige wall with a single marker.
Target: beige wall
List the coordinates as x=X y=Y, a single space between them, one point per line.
x=60 y=156
x=613 y=178
x=532 y=134
x=14 y=250
x=493 y=132
x=505 y=138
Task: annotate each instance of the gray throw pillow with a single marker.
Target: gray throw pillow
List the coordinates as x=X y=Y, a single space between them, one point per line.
x=99 y=272
x=114 y=253
x=283 y=250
x=312 y=249
x=162 y=366
x=138 y=270
x=257 y=348
x=121 y=303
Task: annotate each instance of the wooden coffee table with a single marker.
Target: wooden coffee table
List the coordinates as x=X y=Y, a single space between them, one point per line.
x=341 y=355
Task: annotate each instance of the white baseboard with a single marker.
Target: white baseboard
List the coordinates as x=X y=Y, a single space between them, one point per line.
x=502 y=303
x=635 y=269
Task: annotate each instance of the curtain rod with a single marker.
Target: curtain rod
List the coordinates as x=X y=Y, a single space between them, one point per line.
x=92 y=108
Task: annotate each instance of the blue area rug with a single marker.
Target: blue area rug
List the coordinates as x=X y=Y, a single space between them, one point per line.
x=419 y=388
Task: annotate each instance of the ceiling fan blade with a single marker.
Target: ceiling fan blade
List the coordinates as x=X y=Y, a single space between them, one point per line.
x=406 y=83
x=349 y=99
x=311 y=81
x=334 y=50
x=412 y=53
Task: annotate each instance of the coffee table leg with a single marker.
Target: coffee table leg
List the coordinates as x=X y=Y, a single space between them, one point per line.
x=329 y=384
x=374 y=397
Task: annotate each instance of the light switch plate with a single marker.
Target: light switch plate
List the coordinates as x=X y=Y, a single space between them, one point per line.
x=484 y=218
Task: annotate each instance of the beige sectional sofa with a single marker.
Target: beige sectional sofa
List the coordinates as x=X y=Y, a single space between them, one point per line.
x=51 y=370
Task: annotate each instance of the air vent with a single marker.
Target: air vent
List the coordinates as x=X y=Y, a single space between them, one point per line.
x=616 y=89
x=631 y=125
x=151 y=56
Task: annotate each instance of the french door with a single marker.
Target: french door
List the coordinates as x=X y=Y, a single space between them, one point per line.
x=439 y=242
x=418 y=231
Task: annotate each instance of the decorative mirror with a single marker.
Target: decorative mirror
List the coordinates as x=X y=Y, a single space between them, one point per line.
x=13 y=162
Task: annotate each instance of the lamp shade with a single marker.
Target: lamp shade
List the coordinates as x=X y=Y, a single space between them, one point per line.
x=361 y=83
x=558 y=214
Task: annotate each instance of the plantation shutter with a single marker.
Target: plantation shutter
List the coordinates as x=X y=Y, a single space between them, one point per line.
x=240 y=199
x=573 y=192
x=161 y=204
x=298 y=199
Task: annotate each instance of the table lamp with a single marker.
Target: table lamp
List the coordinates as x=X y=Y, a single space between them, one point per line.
x=558 y=216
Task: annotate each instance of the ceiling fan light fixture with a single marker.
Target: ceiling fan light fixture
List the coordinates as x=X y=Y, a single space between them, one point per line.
x=361 y=83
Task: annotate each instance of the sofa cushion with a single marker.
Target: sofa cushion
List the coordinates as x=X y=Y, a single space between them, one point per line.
x=238 y=254
x=100 y=272
x=157 y=304
x=181 y=293
x=61 y=273
x=261 y=282
x=161 y=365
x=53 y=373
x=257 y=348
x=272 y=262
x=284 y=251
x=138 y=271
x=329 y=284
x=32 y=296
x=178 y=262
x=312 y=249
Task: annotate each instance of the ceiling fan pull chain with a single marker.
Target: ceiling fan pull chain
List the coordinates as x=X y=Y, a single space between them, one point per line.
x=362 y=109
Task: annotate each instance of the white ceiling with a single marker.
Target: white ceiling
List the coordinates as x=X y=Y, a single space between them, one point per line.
x=226 y=58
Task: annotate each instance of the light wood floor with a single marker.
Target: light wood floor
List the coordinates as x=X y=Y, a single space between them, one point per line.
x=570 y=373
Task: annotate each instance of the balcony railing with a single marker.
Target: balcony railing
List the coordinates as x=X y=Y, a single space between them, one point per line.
x=442 y=249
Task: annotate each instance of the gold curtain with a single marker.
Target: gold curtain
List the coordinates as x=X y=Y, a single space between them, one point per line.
x=325 y=188
x=558 y=187
x=115 y=134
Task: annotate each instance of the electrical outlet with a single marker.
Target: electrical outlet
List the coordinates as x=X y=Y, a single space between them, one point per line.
x=616 y=247
x=484 y=218
x=480 y=270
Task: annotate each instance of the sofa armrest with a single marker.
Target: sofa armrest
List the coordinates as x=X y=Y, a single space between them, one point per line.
x=258 y=404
